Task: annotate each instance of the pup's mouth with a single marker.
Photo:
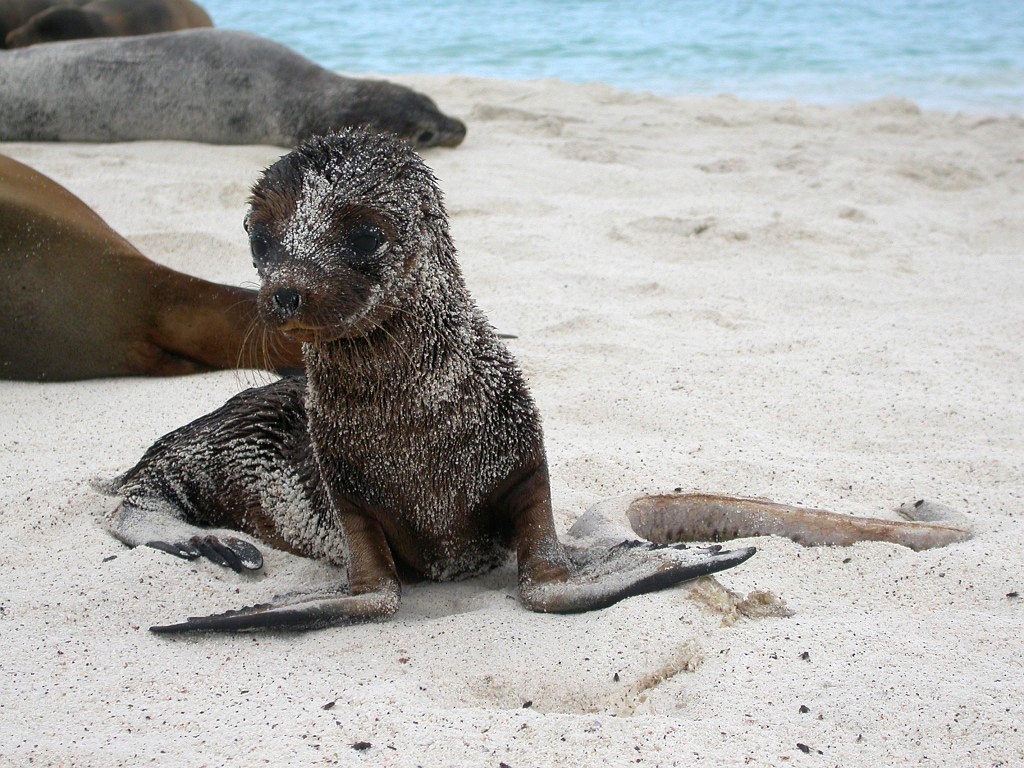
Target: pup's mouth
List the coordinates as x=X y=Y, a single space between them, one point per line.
x=300 y=332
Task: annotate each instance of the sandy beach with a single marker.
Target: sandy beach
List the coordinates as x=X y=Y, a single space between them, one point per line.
x=822 y=306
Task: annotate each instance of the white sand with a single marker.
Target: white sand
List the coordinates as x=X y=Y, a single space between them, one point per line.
x=817 y=305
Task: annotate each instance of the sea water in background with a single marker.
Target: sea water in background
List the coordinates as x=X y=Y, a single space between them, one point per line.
x=944 y=54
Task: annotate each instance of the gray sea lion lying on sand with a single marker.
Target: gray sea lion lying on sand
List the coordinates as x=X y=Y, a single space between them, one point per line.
x=413 y=448
x=211 y=85
x=71 y=20
x=80 y=301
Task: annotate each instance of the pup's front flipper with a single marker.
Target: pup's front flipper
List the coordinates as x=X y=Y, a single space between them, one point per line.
x=600 y=577
x=297 y=612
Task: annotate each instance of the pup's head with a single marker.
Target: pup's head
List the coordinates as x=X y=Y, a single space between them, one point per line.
x=340 y=229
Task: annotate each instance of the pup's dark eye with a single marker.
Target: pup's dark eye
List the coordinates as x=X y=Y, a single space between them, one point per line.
x=365 y=241
x=260 y=248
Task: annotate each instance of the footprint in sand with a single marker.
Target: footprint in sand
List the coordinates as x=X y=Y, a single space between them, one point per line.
x=725 y=165
x=546 y=124
x=944 y=177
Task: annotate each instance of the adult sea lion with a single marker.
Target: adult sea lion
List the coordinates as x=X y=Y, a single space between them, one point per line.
x=81 y=302
x=14 y=13
x=411 y=450
x=106 y=18
x=210 y=85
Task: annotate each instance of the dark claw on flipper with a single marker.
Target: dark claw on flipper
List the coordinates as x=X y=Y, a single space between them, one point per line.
x=248 y=555
x=210 y=548
x=184 y=551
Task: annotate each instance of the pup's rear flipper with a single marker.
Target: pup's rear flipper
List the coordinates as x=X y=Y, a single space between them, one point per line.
x=673 y=517
x=707 y=517
x=155 y=522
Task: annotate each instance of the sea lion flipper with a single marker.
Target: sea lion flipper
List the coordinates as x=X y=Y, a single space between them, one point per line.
x=156 y=523
x=231 y=552
x=227 y=551
x=315 y=612
x=370 y=573
x=603 y=577
x=711 y=517
x=672 y=517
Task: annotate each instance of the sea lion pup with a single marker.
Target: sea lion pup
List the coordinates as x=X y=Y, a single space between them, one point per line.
x=210 y=85
x=81 y=302
x=107 y=18
x=412 y=450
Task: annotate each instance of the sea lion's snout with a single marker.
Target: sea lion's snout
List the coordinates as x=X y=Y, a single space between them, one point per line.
x=315 y=305
x=449 y=133
x=283 y=306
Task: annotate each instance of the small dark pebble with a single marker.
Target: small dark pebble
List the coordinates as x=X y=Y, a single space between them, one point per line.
x=108 y=559
x=847 y=560
x=528 y=703
x=1013 y=594
x=804 y=709
x=805 y=656
x=615 y=677
x=328 y=705
x=677 y=490
x=803 y=748
x=359 y=746
x=504 y=765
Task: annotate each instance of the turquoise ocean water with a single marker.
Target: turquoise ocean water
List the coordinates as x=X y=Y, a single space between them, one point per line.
x=942 y=54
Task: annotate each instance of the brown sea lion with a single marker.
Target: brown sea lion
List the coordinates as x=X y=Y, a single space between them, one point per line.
x=412 y=449
x=82 y=302
x=14 y=13
x=216 y=86
x=106 y=18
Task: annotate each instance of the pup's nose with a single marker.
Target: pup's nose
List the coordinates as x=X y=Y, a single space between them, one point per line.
x=287 y=300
